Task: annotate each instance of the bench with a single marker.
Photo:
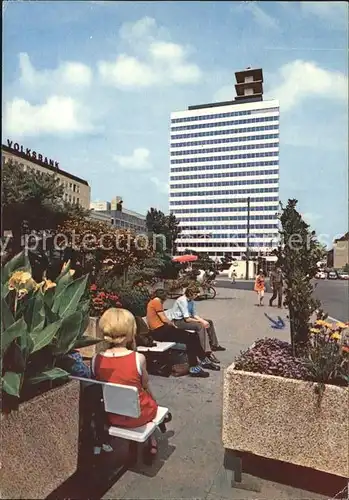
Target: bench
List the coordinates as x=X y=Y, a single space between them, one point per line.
x=175 y=345
x=124 y=400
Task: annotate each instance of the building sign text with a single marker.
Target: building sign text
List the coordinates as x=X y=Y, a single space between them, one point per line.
x=31 y=154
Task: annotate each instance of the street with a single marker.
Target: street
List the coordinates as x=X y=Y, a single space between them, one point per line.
x=333 y=294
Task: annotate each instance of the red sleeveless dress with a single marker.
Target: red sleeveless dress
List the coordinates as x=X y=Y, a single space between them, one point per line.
x=123 y=370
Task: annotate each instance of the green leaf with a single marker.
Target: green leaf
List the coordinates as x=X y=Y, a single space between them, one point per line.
x=61 y=283
x=86 y=341
x=52 y=374
x=18 y=262
x=67 y=301
x=44 y=337
x=49 y=296
x=7 y=318
x=17 y=329
x=67 y=334
x=51 y=317
x=11 y=383
x=35 y=313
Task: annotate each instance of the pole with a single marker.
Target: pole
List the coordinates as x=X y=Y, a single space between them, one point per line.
x=248 y=240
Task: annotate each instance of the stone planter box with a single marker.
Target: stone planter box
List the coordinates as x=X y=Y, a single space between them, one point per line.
x=39 y=443
x=281 y=419
x=92 y=331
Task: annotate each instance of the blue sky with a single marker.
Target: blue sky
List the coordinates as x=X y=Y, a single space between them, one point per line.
x=92 y=84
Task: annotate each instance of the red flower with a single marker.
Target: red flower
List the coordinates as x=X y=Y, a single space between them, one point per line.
x=93 y=288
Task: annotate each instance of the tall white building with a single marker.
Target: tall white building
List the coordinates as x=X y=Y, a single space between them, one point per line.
x=221 y=155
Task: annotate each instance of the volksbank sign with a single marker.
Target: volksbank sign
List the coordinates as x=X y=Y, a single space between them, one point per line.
x=31 y=154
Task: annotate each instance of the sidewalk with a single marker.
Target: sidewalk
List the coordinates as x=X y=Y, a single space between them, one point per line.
x=190 y=459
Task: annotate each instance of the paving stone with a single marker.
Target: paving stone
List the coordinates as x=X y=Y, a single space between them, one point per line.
x=190 y=462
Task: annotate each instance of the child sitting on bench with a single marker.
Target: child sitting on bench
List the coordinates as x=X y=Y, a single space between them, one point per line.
x=122 y=365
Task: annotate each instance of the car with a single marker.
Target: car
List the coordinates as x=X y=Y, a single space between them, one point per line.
x=320 y=275
x=332 y=275
x=342 y=275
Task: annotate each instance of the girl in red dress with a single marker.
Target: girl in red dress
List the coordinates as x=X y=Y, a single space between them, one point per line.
x=259 y=287
x=123 y=366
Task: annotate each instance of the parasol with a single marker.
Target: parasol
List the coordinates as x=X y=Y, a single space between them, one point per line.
x=185 y=258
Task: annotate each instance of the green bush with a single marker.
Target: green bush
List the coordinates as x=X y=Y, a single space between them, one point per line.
x=40 y=324
x=134 y=298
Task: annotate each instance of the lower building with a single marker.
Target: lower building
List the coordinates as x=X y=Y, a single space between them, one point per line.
x=341 y=251
x=120 y=217
x=76 y=190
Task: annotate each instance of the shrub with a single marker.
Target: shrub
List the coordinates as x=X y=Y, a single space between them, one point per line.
x=326 y=360
x=101 y=300
x=328 y=353
x=135 y=299
x=41 y=323
x=272 y=356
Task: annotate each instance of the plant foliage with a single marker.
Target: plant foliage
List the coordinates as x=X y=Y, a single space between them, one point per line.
x=41 y=322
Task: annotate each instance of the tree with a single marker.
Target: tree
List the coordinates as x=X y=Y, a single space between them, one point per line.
x=166 y=225
x=298 y=256
x=32 y=201
x=102 y=245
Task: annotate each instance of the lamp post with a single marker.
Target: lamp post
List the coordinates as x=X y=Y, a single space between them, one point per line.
x=248 y=239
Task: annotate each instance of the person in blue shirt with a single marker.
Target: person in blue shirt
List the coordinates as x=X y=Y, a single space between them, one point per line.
x=184 y=316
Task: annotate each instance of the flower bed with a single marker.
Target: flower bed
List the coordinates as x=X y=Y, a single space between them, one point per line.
x=292 y=409
x=326 y=360
x=101 y=300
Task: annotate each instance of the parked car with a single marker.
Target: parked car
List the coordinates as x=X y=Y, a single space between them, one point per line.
x=321 y=275
x=342 y=275
x=332 y=275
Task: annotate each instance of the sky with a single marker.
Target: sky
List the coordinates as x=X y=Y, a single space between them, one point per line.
x=92 y=84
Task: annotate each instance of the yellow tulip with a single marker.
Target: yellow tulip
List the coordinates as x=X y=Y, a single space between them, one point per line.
x=19 y=278
x=335 y=336
x=341 y=325
x=315 y=330
x=49 y=284
x=321 y=322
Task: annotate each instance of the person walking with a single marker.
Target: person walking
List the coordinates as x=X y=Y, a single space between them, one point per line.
x=259 y=287
x=163 y=330
x=276 y=282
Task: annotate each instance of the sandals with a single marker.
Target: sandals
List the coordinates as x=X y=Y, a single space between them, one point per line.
x=166 y=420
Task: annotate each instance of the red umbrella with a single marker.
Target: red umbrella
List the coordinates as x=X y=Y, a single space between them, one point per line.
x=185 y=258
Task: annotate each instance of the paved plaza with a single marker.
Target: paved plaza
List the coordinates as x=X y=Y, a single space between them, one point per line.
x=189 y=465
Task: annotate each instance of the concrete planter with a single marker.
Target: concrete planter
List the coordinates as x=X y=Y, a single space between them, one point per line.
x=281 y=419
x=92 y=331
x=39 y=443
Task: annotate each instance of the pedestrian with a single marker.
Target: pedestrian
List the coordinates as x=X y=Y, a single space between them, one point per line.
x=232 y=273
x=259 y=287
x=276 y=283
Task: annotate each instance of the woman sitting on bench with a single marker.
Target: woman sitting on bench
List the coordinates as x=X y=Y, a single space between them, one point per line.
x=121 y=365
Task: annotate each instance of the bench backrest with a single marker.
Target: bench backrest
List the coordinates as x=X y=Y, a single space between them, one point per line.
x=118 y=399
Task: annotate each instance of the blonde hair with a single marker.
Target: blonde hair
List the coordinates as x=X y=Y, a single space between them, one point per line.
x=118 y=326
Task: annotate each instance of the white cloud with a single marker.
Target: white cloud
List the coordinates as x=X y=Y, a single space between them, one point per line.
x=163 y=187
x=68 y=73
x=226 y=93
x=334 y=13
x=138 y=160
x=311 y=218
x=154 y=61
x=263 y=19
x=58 y=115
x=302 y=79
